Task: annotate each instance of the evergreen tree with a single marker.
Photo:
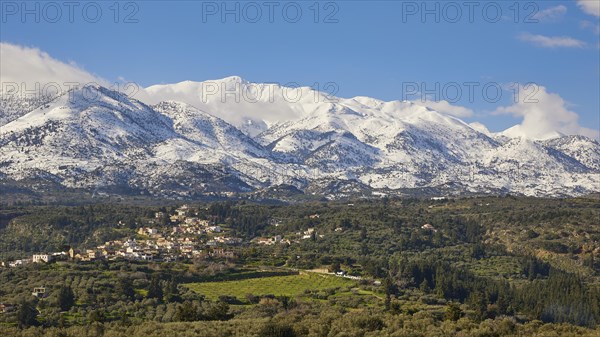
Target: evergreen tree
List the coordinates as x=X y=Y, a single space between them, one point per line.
x=27 y=314
x=218 y=312
x=125 y=288
x=277 y=330
x=478 y=302
x=187 y=312
x=171 y=291
x=97 y=316
x=154 y=289
x=66 y=298
x=453 y=312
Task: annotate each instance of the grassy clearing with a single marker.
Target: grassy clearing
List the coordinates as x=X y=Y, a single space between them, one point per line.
x=290 y=285
x=142 y=292
x=495 y=266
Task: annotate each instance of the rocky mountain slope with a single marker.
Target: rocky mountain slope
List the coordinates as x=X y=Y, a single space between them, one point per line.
x=97 y=139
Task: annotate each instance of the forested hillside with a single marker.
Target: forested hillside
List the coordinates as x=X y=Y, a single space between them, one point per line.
x=495 y=266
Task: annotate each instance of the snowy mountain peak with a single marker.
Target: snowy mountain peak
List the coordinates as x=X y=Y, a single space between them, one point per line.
x=193 y=142
x=517 y=132
x=368 y=101
x=481 y=128
x=232 y=79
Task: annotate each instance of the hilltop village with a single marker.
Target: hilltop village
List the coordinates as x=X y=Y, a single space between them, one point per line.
x=170 y=237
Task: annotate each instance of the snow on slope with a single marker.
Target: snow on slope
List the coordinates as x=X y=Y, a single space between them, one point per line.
x=15 y=106
x=383 y=134
x=189 y=147
x=517 y=132
x=251 y=107
x=583 y=149
x=82 y=131
x=208 y=130
x=94 y=136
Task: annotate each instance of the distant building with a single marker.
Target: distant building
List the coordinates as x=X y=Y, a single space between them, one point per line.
x=269 y=241
x=147 y=257
x=73 y=253
x=147 y=231
x=130 y=243
x=18 y=263
x=39 y=292
x=183 y=210
x=92 y=254
x=108 y=252
x=41 y=258
x=5 y=308
x=214 y=229
x=429 y=227
x=263 y=241
x=220 y=252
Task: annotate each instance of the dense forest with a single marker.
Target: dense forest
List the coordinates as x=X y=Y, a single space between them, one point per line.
x=493 y=266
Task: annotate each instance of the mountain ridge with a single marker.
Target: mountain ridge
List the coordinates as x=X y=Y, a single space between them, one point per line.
x=177 y=149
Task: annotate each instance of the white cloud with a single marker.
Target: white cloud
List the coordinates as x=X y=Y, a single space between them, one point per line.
x=590 y=6
x=593 y=27
x=446 y=108
x=544 y=115
x=32 y=69
x=551 y=14
x=552 y=41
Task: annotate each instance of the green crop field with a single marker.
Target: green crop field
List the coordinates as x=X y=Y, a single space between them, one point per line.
x=290 y=285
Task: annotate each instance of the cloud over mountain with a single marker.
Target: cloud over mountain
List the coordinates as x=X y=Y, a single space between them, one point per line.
x=544 y=115
x=34 y=70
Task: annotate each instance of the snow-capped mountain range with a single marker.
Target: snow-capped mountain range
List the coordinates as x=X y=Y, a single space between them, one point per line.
x=230 y=135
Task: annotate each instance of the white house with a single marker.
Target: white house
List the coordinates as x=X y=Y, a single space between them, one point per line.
x=39 y=292
x=39 y=258
x=183 y=210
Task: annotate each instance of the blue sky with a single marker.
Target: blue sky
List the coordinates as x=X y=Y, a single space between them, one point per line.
x=374 y=49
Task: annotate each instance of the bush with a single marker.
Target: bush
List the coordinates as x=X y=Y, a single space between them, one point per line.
x=272 y=329
x=369 y=323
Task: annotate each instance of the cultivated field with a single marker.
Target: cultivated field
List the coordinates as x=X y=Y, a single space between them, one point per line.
x=290 y=285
